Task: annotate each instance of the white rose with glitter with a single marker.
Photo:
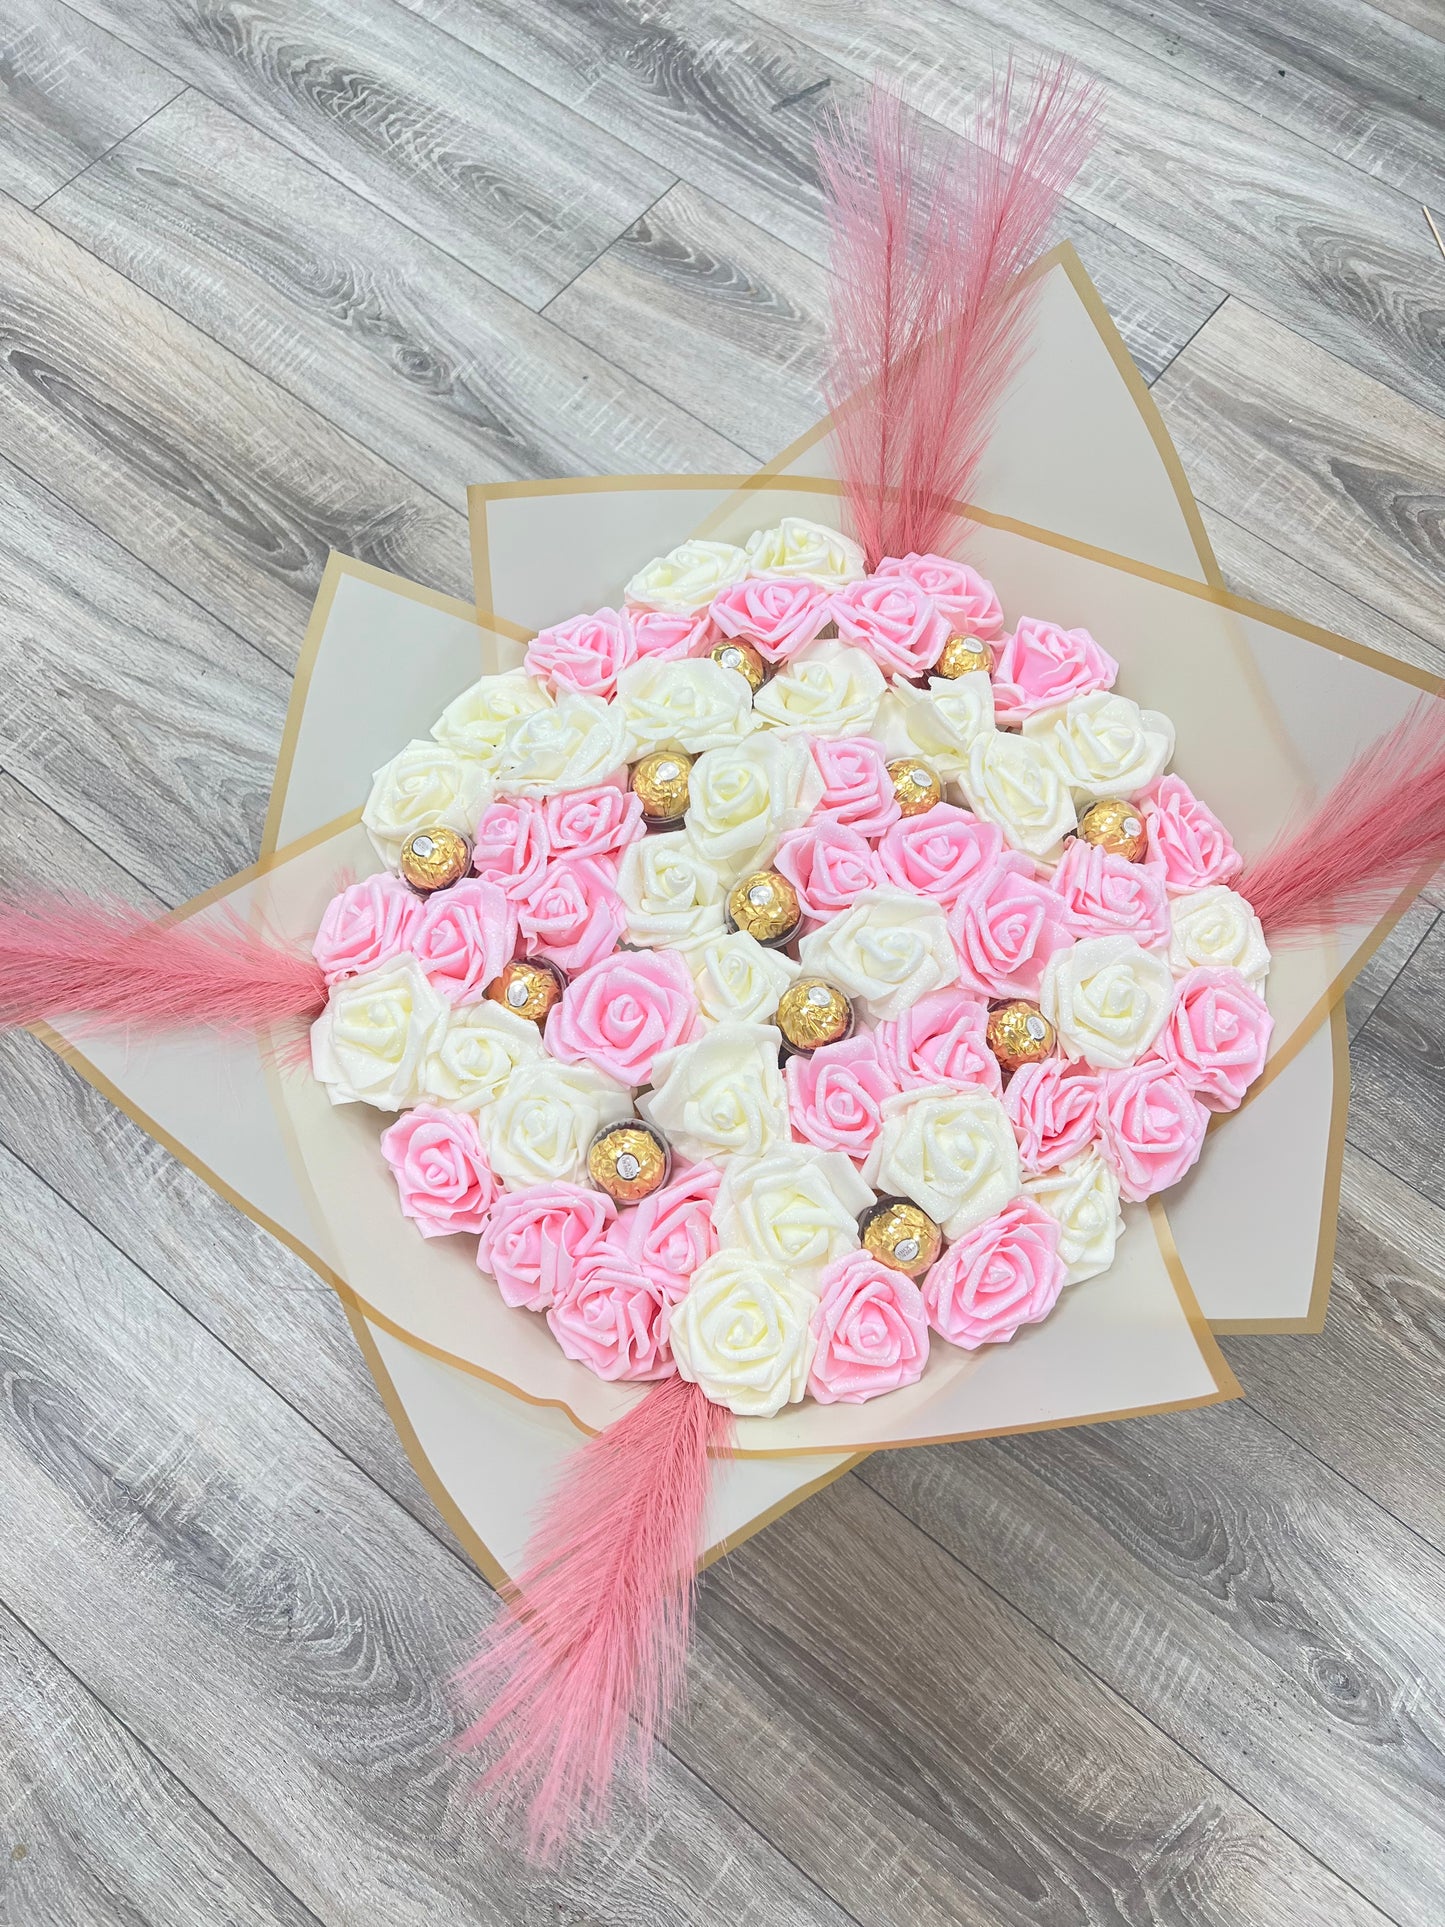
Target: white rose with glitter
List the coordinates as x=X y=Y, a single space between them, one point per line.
x=1013 y=782
x=949 y=1148
x=694 y=705
x=475 y=723
x=539 y=1129
x=425 y=787
x=1216 y=926
x=741 y=799
x=472 y=1062
x=371 y=1043
x=1104 y=745
x=827 y=689
x=722 y=1095
x=743 y=1332
x=576 y=744
x=1107 y=998
x=887 y=949
x=738 y=980
x=687 y=577
x=940 y=723
x=1082 y=1197
x=670 y=892
x=796 y=1206
x=808 y=549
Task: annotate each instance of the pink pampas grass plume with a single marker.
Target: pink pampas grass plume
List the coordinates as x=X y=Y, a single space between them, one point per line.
x=1380 y=829
x=928 y=237
x=587 y=1659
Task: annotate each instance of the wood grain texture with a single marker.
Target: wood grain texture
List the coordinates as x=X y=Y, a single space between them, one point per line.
x=389 y=338
x=1363 y=997
x=1397 y=1111
x=226 y=486
x=67 y=92
x=445 y=139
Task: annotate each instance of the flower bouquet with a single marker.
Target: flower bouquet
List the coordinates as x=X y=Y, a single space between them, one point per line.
x=759 y=1018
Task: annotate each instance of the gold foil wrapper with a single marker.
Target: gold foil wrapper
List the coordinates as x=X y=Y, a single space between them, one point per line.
x=743 y=657
x=915 y=785
x=766 y=906
x=812 y=1012
x=434 y=859
x=901 y=1235
x=528 y=988
x=660 y=783
x=962 y=655
x=628 y=1161
x=1115 y=826
x=1019 y=1034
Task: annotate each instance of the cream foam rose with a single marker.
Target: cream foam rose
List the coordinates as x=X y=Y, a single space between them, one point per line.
x=738 y=980
x=1107 y=998
x=426 y=787
x=1082 y=1197
x=694 y=706
x=471 y=1063
x=533 y=1240
x=687 y=578
x=371 y=1043
x=795 y=1206
x=941 y=723
x=870 y=1331
x=1103 y=745
x=721 y=1096
x=743 y=1333
x=1013 y=782
x=798 y=547
x=950 y=1150
x=539 y=1129
x=1042 y=666
x=742 y=798
x=621 y=1013
x=670 y=892
x=779 y=615
x=827 y=689
x=474 y=724
x=442 y=1176
x=1001 y=1274
x=888 y=950
x=1216 y=929
x=578 y=743
x=894 y=620
x=961 y=593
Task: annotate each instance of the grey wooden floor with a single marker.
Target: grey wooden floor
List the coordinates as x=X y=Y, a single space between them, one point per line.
x=278 y=275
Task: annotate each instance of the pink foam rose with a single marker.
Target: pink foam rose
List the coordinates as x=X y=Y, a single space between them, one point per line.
x=1188 y=844
x=611 y=1316
x=778 y=615
x=585 y=653
x=1041 y=665
x=1216 y=1037
x=596 y=822
x=828 y=865
x=942 y=1039
x=940 y=853
x=511 y=845
x=670 y=1233
x=534 y=1239
x=573 y=915
x=835 y=1097
x=367 y=924
x=871 y=1328
x=1054 y=1109
x=857 y=789
x=441 y=1171
x=1005 y=926
x=1004 y=1273
x=967 y=603
x=894 y=620
x=1108 y=896
x=668 y=636
x=464 y=937
x=619 y=1014
x=1151 y=1127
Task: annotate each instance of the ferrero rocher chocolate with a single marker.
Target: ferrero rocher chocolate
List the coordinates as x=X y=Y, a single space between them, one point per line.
x=961 y=656
x=744 y=658
x=1116 y=827
x=434 y=859
x=901 y=1236
x=766 y=906
x=915 y=785
x=628 y=1161
x=812 y=1012
x=1019 y=1034
x=528 y=988
x=659 y=782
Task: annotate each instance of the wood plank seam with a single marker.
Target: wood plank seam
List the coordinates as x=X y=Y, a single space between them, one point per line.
x=95 y=161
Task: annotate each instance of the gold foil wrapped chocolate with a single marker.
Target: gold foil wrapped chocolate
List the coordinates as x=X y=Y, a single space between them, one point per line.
x=528 y=988
x=1018 y=1034
x=434 y=859
x=766 y=906
x=628 y=1161
x=743 y=657
x=812 y=1012
x=1115 y=826
x=660 y=783
x=962 y=655
x=901 y=1235
x=915 y=785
